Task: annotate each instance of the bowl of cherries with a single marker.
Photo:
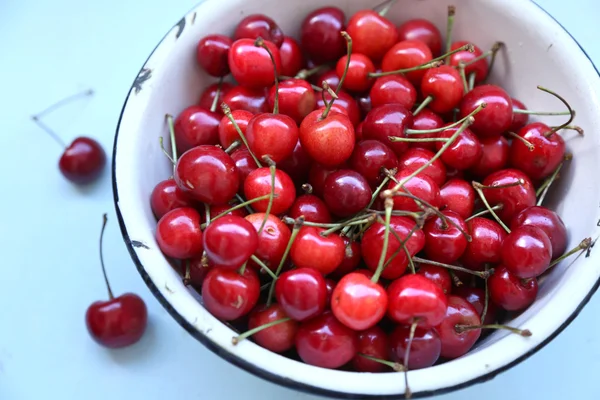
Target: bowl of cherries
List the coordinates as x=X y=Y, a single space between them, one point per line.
x=362 y=200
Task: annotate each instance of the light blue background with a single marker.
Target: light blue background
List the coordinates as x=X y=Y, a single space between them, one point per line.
x=48 y=228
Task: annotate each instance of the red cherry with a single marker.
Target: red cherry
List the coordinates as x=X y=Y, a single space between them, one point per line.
x=476 y=296
x=243 y=98
x=486 y=242
x=272 y=240
x=244 y=163
x=527 y=252
x=460 y=312
x=444 y=242
x=548 y=221
x=417 y=157
x=330 y=284
x=426 y=120
x=83 y=161
x=424 y=349
x=311 y=250
x=302 y=293
x=357 y=76
x=438 y=275
x=514 y=199
x=346 y=192
x=494 y=156
x=312 y=208
x=548 y=151
x=407 y=54
x=459 y=196
x=258 y=184
x=207 y=98
x=328 y=141
x=372 y=342
x=277 y=338
x=421 y=186
x=414 y=298
x=218 y=209
x=344 y=102
x=372 y=34
x=227 y=132
x=178 y=233
x=296 y=98
x=230 y=241
x=317 y=176
x=444 y=85
x=393 y=89
x=291 y=55
x=166 y=196
x=320 y=34
x=297 y=165
x=480 y=68
x=325 y=342
x=464 y=152
x=423 y=30
x=510 y=292
x=251 y=66
x=519 y=119
x=352 y=258
x=357 y=302
x=385 y=121
x=196 y=126
x=211 y=54
x=273 y=135
x=496 y=117
x=330 y=76
x=229 y=295
x=197 y=272
x=372 y=246
x=369 y=157
x=259 y=25
x=207 y=174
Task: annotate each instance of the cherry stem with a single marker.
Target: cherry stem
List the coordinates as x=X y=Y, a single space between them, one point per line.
x=166 y=153
x=424 y=104
x=411 y=335
x=389 y=204
x=305 y=73
x=388 y=175
x=259 y=42
x=397 y=213
x=584 y=245
x=478 y=188
x=295 y=230
x=526 y=142
x=395 y=366
x=471 y=81
x=236 y=207
x=443 y=128
x=227 y=112
x=449 y=27
x=571 y=111
x=418 y=225
x=169 y=118
x=480 y=274
x=455 y=279
x=484 y=212
x=348 y=54
x=518 y=182
x=543 y=190
x=104 y=221
x=387 y=7
x=532 y=112
x=427 y=65
x=273 y=170
x=49 y=131
x=492 y=52
x=307 y=187
x=206 y=215
x=251 y=332
x=187 y=275
x=242 y=269
x=350 y=223
x=416 y=140
x=243 y=201
x=464 y=328
x=329 y=104
x=571 y=127
x=234 y=145
x=263 y=266
x=486 y=298
x=64 y=101
x=463 y=76
x=213 y=106
x=285 y=78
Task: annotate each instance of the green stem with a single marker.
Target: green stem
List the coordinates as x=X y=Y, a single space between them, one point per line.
x=213 y=106
x=383 y=183
x=172 y=137
x=206 y=215
x=162 y=147
x=416 y=140
x=251 y=332
x=348 y=54
x=478 y=188
x=424 y=104
x=259 y=42
x=387 y=7
x=484 y=212
x=472 y=76
x=237 y=207
x=463 y=76
x=548 y=183
x=571 y=111
x=531 y=112
x=486 y=299
x=584 y=245
x=273 y=170
x=443 y=128
x=449 y=27
x=480 y=274
x=411 y=335
x=395 y=366
x=241 y=200
x=104 y=221
x=521 y=332
x=227 y=112
x=427 y=65
x=389 y=204
x=263 y=266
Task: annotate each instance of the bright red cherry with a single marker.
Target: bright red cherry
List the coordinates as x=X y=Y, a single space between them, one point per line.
x=178 y=233
x=372 y=34
x=208 y=174
x=259 y=25
x=251 y=66
x=494 y=156
x=320 y=34
x=243 y=98
x=548 y=221
x=426 y=120
x=437 y=275
x=479 y=68
x=273 y=239
x=230 y=241
x=372 y=342
x=548 y=151
x=227 y=132
x=459 y=196
x=527 y=252
x=407 y=54
x=211 y=54
x=444 y=242
x=464 y=152
x=424 y=31
x=346 y=192
x=277 y=338
x=424 y=350
x=312 y=208
x=244 y=163
x=486 y=242
x=196 y=126
x=291 y=55
x=514 y=199
x=296 y=98
x=414 y=298
x=298 y=165
x=352 y=258
x=229 y=295
x=273 y=135
x=385 y=121
x=416 y=157
x=369 y=157
x=166 y=196
x=83 y=161
x=454 y=343
x=311 y=250
x=393 y=89
x=357 y=78
x=509 y=292
x=258 y=184
x=476 y=296
x=496 y=117
x=330 y=140
x=207 y=98
x=421 y=186
x=519 y=119
x=445 y=87
x=302 y=293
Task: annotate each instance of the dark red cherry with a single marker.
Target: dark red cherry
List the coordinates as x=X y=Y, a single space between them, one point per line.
x=437 y=275
x=296 y=98
x=166 y=196
x=328 y=141
x=496 y=117
x=312 y=208
x=424 y=31
x=244 y=163
x=251 y=66
x=243 y=98
x=416 y=157
x=208 y=174
x=352 y=258
x=311 y=250
x=548 y=151
x=514 y=199
x=421 y=186
x=548 y=221
x=372 y=34
x=197 y=272
x=302 y=293
x=426 y=120
x=229 y=241
x=372 y=342
x=330 y=284
x=476 y=296
x=444 y=85
x=486 y=242
x=317 y=176
x=229 y=295
x=297 y=165
x=494 y=156
x=369 y=157
x=345 y=102
x=509 y=292
x=273 y=135
x=227 y=132
x=414 y=298
x=259 y=25
x=211 y=54
x=291 y=55
x=207 y=98
x=83 y=161
x=385 y=121
x=424 y=349
x=444 y=242
x=464 y=152
x=519 y=119
x=277 y=338
x=196 y=126
x=357 y=76
x=272 y=240
x=320 y=34
x=258 y=184
x=365 y=105
x=346 y=192
x=329 y=76
x=527 y=252
x=178 y=233
x=393 y=89
x=407 y=54
x=459 y=196
x=479 y=68
x=455 y=343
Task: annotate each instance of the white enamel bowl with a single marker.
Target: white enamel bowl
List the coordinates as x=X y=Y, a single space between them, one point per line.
x=538 y=52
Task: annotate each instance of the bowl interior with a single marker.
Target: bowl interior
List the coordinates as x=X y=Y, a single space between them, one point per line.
x=537 y=52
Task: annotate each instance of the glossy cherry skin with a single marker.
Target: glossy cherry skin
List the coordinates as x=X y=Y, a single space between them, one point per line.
x=227 y=132
x=291 y=55
x=548 y=221
x=357 y=302
x=229 y=241
x=445 y=243
x=208 y=174
x=486 y=242
x=325 y=342
x=414 y=298
x=464 y=152
x=495 y=118
x=393 y=89
x=251 y=66
x=330 y=284
x=352 y=258
x=196 y=126
x=509 y=292
x=385 y=121
x=277 y=338
x=243 y=98
x=459 y=196
x=344 y=102
x=437 y=275
x=320 y=34
x=317 y=176
x=445 y=85
x=311 y=250
x=208 y=96
x=372 y=246
x=416 y=157
x=244 y=163
x=368 y=159
x=519 y=119
x=407 y=54
x=346 y=192
x=272 y=241
x=312 y=208
x=480 y=68
x=229 y=295
x=273 y=135
x=298 y=165
x=459 y=312
x=166 y=196
x=258 y=184
x=296 y=98
x=494 y=156
x=211 y=54
x=424 y=31
x=357 y=78
x=118 y=322
x=330 y=76
x=476 y=296
x=302 y=293
x=372 y=34
x=514 y=199
x=548 y=152
x=424 y=350
x=527 y=252
x=259 y=25
x=375 y=343
x=328 y=141
x=426 y=120
x=421 y=186
x=178 y=233
x=83 y=161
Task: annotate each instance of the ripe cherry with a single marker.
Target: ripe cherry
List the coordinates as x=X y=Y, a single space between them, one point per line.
x=372 y=342
x=494 y=156
x=385 y=121
x=312 y=208
x=178 y=233
x=369 y=157
x=120 y=321
x=455 y=343
x=414 y=298
x=320 y=34
x=407 y=54
x=548 y=221
x=194 y=276
x=258 y=184
x=277 y=338
x=251 y=66
x=330 y=76
x=444 y=241
x=227 y=132
x=230 y=241
x=479 y=68
x=207 y=98
x=519 y=119
x=166 y=196
x=317 y=176
x=421 y=186
x=476 y=296
x=243 y=98
x=486 y=243
x=365 y=105
x=548 y=151
x=526 y=252
x=424 y=350
x=259 y=25
x=244 y=163
x=302 y=293
x=82 y=161
x=496 y=117
x=464 y=152
x=426 y=120
x=416 y=157
x=297 y=166
x=509 y=292
x=272 y=240
x=211 y=54
x=291 y=55
x=372 y=34
x=514 y=199
x=357 y=78
x=437 y=275
x=273 y=135
x=196 y=126
x=228 y=294
x=444 y=86
x=424 y=31
x=329 y=140
x=352 y=258
x=393 y=89
x=311 y=250
x=346 y=192
x=296 y=98
x=459 y=196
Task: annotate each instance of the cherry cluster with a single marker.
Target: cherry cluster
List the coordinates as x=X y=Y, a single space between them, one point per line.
x=358 y=199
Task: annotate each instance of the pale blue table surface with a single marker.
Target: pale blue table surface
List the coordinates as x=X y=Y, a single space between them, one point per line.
x=48 y=229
